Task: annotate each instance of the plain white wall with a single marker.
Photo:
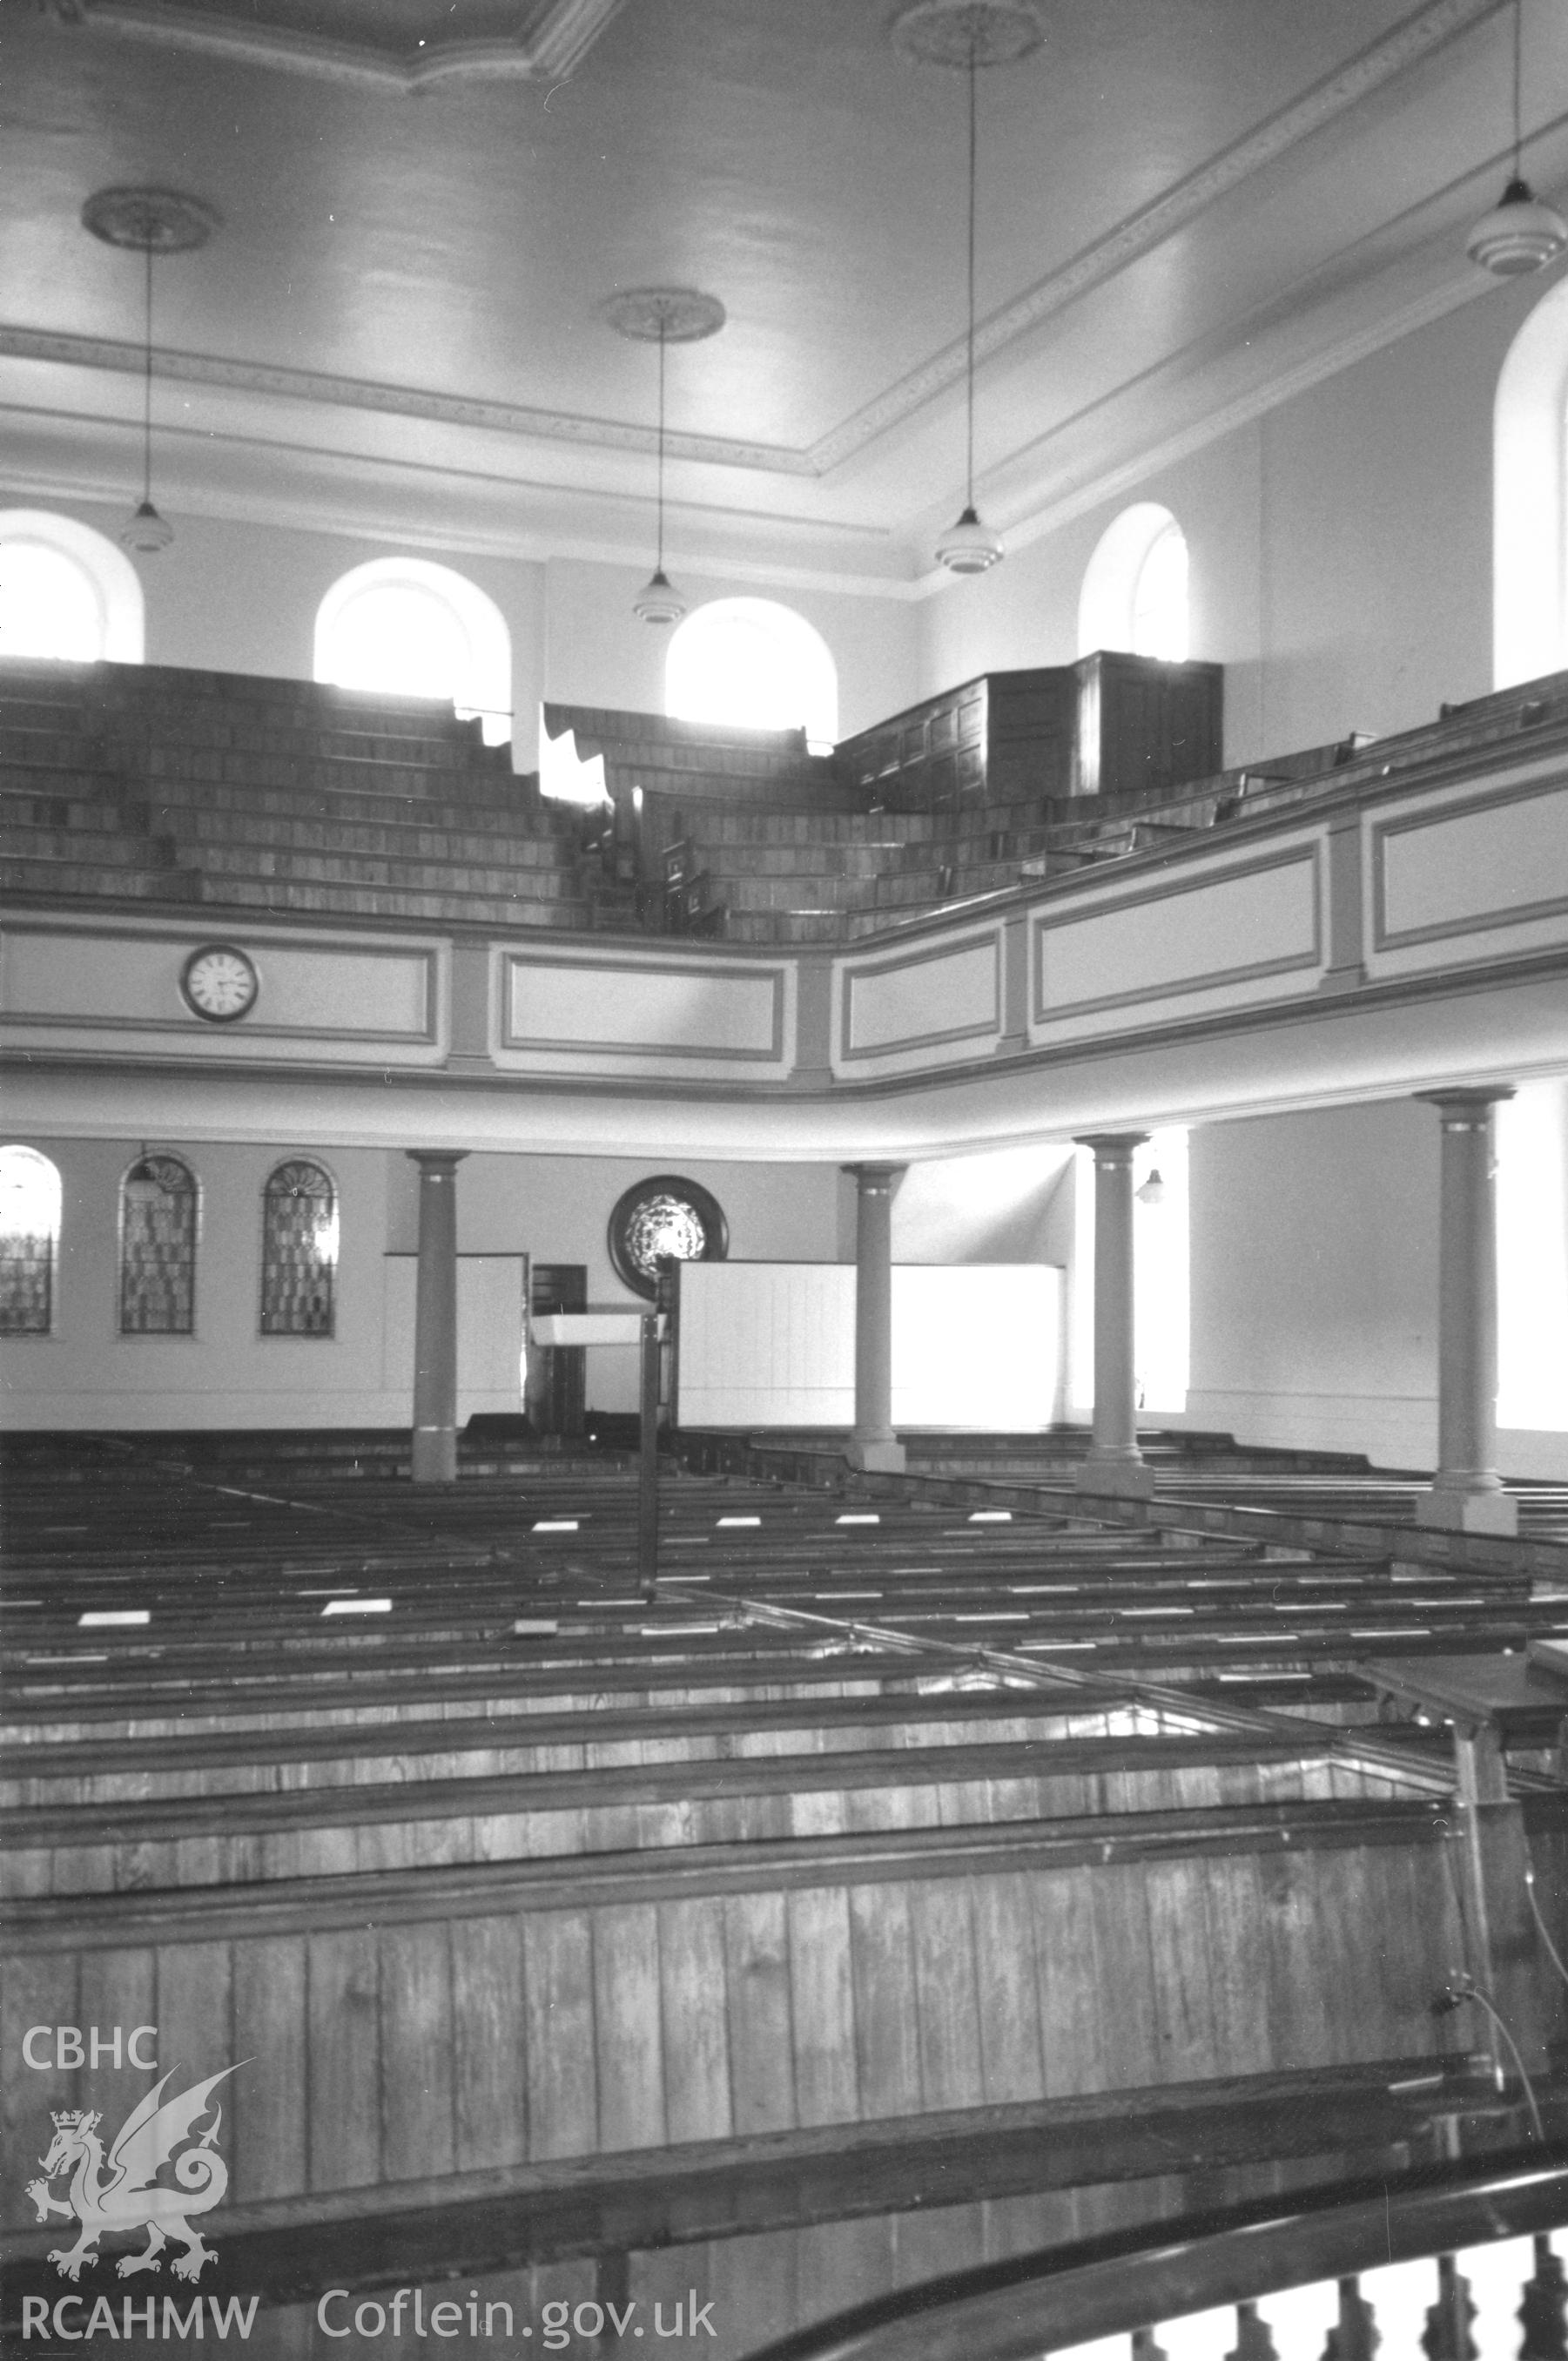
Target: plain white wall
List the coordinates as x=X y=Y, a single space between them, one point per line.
x=1341 y=550
x=1314 y=1287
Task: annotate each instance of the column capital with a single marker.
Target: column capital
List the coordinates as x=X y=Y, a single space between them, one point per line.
x=1464 y=1105
x=1110 y=1144
x=876 y=1176
x=435 y=1163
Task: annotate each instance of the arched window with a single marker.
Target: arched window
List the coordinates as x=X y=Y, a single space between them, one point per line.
x=29 y=1241
x=756 y=664
x=299 y=1250
x=158 y=1247
x=65 y=592
x=406 y=627
x=1529 y=510
x=1135 y=593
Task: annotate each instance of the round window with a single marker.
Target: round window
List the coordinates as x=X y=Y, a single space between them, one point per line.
x=664 y=1218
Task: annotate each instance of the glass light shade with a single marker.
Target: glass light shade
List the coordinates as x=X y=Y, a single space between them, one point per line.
x=1519 y=235
x=659 y=601
x=1153 y=1191
x=969 y=548
x=147 y=530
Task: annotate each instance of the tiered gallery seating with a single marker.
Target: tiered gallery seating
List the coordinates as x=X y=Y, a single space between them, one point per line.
x=905 y=1884
x=144 y=783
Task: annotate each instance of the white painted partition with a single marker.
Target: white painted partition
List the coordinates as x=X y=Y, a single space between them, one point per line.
x=773 y=1344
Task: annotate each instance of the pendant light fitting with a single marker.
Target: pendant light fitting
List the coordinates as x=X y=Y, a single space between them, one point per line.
x=971 y=34
x=148 y=222
x=1520 y=233
x=662 y=315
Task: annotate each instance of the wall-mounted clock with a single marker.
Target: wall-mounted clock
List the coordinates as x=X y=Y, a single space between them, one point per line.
x=220 y=983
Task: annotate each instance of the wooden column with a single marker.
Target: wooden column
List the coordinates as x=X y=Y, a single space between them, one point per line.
x=435 y=1317
x=1115 y=1464
x=1467 y=1494
x=874 y=1444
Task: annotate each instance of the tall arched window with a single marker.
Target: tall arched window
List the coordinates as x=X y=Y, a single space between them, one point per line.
x=406 y=627
x=66 y=592
x=299 y=1250
x=756 y=664
x=1135 y=593
x=158 y=1247
x=29 y=1241
x=1530 y=512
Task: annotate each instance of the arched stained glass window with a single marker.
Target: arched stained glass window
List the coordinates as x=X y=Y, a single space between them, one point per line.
x=29 y=1241
x=299 y=1250
x=157 y=1248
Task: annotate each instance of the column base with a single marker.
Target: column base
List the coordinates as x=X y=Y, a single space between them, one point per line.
x=435 y=1456
x=1451 y=1511
x=877 y=1458
x=1116 y=1480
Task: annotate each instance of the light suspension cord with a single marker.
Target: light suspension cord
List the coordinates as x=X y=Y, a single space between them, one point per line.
x=1518 y=116
x=659 y=562
x=146 y=390
x=968 y=374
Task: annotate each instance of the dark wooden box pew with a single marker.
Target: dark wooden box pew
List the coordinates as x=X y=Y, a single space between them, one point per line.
x=418 y=2022
x=778 y=2228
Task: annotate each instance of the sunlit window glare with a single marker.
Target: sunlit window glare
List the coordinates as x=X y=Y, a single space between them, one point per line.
x=49 y=605
x=402 y=641
x=404 y=627
x=1159 y=599
x=754 y=665
x=29 y=1194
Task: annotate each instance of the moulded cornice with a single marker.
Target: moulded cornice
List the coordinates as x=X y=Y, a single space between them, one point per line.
x=555 y=42
x=568 y=28
x=18 y=343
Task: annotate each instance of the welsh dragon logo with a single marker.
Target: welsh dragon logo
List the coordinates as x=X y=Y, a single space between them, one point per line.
x=121 y=2190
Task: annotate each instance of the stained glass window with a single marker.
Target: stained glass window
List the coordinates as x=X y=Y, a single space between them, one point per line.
x=299 y=1251
x=157 y=1248
x=665 y=1216
x=29 y=1241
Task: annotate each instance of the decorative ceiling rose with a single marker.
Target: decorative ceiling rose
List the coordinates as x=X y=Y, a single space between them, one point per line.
x=669 y=315
x=662 y=316
x=150 y=221
x=1520 y=233
x=955 y=32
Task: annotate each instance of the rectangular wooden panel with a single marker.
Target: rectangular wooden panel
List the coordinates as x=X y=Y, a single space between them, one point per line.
x=417 y=2043
x=693 y=1997
x=563 y=2084
x=272 y=2094
x=761 y=2045
x=491 y=2043
x=822 y=1993
x=628 y=2028
x=344 y=2059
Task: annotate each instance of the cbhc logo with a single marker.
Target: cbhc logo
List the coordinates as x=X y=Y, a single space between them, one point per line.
x=73 y=2048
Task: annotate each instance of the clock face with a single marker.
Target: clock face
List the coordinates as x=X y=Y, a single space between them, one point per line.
x=219 y=984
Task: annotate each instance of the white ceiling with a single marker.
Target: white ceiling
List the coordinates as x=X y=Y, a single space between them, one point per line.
x=1187 y=208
